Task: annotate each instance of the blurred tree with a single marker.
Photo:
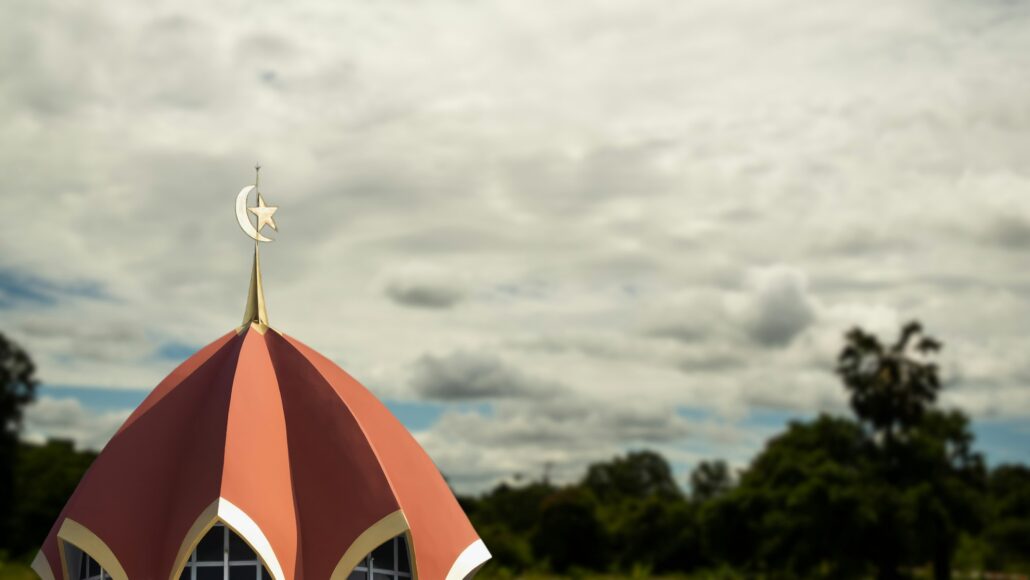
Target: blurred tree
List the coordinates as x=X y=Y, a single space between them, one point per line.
x=514 y=507
x=944 y=485
x=46 y=476
x=1008 y=534
x=17 y=389
x=657 y=534
x=803 y=507
x=890 y=388
x=638 y=475
x=709 y=480
x=922 y=455
x=569 y=533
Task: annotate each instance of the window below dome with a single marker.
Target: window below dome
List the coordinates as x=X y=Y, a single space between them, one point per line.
x=389 y=561
x=89 y=569
x=220 y=555
x=81 y=566
x=223 y=555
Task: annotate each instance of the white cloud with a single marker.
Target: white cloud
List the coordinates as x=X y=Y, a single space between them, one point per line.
x=49 y=417
x=598 y=193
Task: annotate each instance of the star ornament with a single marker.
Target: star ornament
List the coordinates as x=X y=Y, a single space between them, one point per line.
x=264 y=214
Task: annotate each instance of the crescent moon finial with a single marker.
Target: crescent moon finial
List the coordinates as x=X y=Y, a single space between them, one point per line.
x=255 y=313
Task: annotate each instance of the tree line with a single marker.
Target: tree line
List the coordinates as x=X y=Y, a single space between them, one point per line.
x=894 y=490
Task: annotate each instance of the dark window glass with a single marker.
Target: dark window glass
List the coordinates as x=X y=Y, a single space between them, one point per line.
x=358 y=575
x=210 y=573
x=381 y=576
x=185 y=574
x=105 y=576
x=243 y=572
x=382 y=557
x=83 y=572
x=264 y=574
x=238 y=549
x=94 y=568
x=402 y=555
x=210 y=547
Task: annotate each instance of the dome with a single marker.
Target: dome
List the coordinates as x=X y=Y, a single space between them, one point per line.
x=260 y=446
x=261 y=433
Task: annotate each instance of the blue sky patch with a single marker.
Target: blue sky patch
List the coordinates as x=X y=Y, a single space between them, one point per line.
x=22 y=289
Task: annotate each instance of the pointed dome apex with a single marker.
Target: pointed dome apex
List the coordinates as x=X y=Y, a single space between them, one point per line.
x=256 y=314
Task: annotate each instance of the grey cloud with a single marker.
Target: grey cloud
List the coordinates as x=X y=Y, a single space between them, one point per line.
x=1009 y=231
x=863 y=241
x=421 y=285
x=466 y=375
x=423 y=295
x=778 y=306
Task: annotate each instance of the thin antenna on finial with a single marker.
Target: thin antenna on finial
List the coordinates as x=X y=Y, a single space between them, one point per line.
x=257 y=174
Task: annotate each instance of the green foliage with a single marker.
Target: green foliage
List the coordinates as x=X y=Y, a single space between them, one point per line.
x=710 y=479
x=640 y=475
x=803 y=507
x=659 y=535
x=889 y=388
x=17 y=389
x=1008 y=531
x=569 y=532
x=47 y=475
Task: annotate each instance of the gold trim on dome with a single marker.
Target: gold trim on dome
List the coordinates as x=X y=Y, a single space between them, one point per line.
x=234 y=518
x=385 y=529
x=41 y=566
x=204 y=522
x=82 y=538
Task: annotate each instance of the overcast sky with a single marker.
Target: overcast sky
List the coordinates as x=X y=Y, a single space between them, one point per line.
x=541 y=231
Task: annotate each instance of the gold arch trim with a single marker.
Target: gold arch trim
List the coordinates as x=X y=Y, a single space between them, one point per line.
x=385 y=529
x=42 y=566
x=204 y=522
x=82 y=538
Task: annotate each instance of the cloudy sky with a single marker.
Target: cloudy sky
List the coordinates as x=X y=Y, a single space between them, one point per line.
x=543 y=232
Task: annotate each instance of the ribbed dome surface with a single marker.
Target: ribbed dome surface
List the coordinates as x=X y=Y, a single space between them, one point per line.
x=263 y=433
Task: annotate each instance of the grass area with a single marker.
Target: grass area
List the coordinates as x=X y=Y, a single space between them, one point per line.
x=16 y=571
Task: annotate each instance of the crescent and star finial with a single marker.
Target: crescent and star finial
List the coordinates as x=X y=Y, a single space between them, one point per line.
x=262 y=211
x=255 y=313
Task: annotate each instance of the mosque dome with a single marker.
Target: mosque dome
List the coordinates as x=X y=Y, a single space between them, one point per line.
x=290 y=465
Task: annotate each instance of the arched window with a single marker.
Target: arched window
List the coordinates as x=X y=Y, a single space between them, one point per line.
x=389 y=561
x=88 y=568
x=223 y=555
x=220 y=555
x=81 y=566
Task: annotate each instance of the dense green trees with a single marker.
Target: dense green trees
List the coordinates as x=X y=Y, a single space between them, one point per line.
x=46 y=476
x=35 y=480
x=17 y=389
x=896 y=487
x=1007 y=534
